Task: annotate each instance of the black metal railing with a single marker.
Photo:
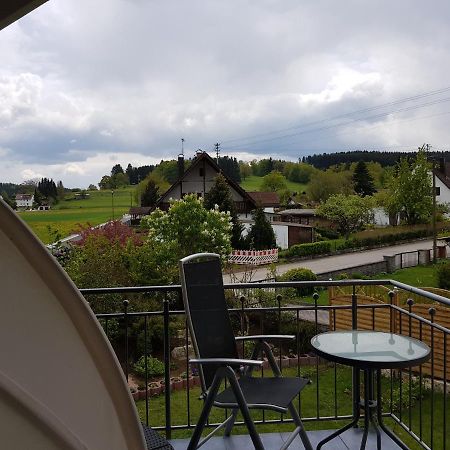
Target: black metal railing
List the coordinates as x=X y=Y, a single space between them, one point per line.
x=415 y=399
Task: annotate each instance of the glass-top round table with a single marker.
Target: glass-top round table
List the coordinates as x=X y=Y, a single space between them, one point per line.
x=370 y=351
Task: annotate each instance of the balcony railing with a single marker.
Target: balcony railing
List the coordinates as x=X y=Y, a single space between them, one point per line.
x=415 y=400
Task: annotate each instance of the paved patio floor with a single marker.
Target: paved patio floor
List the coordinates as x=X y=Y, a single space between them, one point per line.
x=351 y=439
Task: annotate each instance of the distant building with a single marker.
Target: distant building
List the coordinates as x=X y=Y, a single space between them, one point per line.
x=303 y=217
x=24 y=201
x=198 y=179
x=138 y=212
x=287 y=234
x=442 y=172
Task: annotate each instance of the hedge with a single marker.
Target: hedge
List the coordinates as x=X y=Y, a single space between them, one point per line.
x=316 y=248
x=324 y=247
x=383 y=239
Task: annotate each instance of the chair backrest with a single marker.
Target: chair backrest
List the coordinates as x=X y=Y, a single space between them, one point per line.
x=206 y=310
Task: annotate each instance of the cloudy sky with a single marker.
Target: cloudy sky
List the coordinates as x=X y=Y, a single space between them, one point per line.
x=87 y=84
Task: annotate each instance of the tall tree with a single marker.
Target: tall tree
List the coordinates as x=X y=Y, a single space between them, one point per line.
x=261 y=235
x=149 y=196
x=349 y=212
x=116 y=169
x=325 y=184
x=61 y=190
x=230 y=167
x=274 y=181
x=220 y=195
x=362 y=180
x=411 y=189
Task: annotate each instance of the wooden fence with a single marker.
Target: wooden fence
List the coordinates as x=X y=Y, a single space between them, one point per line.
x=389 y=320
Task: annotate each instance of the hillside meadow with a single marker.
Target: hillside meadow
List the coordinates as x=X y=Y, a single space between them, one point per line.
x=65 y=217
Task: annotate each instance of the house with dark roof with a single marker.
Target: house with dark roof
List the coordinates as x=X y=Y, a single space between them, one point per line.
x=266 y=200
x=24 y=201
x=198 y=179
x=442 y=173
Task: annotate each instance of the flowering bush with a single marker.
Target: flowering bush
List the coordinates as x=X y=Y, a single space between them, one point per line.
x=188 y=227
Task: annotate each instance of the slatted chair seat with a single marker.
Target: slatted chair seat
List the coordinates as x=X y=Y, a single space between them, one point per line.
x=259 y=392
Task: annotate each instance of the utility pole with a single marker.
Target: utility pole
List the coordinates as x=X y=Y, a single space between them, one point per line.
x=217 y=147
x=182 y=146
x=427 y=148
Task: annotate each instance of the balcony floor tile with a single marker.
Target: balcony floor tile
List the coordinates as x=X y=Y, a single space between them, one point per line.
x=349 y=440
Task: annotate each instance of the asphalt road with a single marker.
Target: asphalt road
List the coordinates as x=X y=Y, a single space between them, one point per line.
x=330 y=263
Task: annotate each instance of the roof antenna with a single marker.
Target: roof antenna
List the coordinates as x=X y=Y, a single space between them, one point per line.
x=217 y=146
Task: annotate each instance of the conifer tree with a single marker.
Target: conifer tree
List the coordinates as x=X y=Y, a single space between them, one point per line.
x=220 y=195
x=150 y=195
x=261 y=235
x=362 y=180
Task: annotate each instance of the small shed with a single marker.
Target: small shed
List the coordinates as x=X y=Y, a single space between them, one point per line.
x=302 y=216
x=138 y=212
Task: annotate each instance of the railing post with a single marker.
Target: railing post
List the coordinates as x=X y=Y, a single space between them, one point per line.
x=392 y=326
x=355 y=371
x=167 y=369
x=242 y=300
x=279 y=298
x=432 y=312
x=125 y=313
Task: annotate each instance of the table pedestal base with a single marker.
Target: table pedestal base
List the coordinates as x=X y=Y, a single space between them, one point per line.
x=372 y=414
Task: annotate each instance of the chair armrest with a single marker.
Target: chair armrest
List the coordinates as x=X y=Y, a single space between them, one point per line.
x=265 y=337
x=227 y=361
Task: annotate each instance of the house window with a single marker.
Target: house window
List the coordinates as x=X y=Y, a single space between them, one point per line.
x=201 y=172
x=438 y=191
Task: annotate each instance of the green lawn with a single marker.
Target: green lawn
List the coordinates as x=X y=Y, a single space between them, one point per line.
x=309 y=404
x=64 y=217
x=420 y=276
x=253 y=183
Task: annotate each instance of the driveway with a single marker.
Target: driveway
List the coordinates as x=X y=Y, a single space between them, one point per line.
x=330 y=263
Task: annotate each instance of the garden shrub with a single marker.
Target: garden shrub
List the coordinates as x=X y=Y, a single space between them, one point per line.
x=304 y=333
x=373 y=241
x=315 y=248
x=443 y=275
x=299 y=274
x=327 y=233
x=154 y=367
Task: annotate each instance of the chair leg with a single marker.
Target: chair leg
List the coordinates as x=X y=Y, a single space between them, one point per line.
x=230 y=424
x=244 y=409
x=218 y=377
x=302 y=433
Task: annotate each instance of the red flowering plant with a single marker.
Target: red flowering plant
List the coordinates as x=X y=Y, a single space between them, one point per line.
x=114 y=232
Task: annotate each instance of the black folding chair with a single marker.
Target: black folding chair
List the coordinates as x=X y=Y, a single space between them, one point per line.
x=216 y=354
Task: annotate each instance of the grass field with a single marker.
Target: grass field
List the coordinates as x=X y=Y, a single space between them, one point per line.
x=253 y=183
x=65 y=217
x=420 y=276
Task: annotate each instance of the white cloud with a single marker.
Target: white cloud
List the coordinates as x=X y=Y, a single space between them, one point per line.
x=30 y=174
x=145 y=74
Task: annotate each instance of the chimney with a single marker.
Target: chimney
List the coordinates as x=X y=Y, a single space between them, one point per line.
x=180 y=165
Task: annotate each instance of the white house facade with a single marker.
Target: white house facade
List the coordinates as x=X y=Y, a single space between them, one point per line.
x=24 y=201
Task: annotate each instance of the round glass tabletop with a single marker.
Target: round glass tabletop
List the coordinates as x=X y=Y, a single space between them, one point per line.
x=371 y=349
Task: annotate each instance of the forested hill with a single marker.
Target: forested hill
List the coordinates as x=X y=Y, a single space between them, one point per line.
x=326 y=160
